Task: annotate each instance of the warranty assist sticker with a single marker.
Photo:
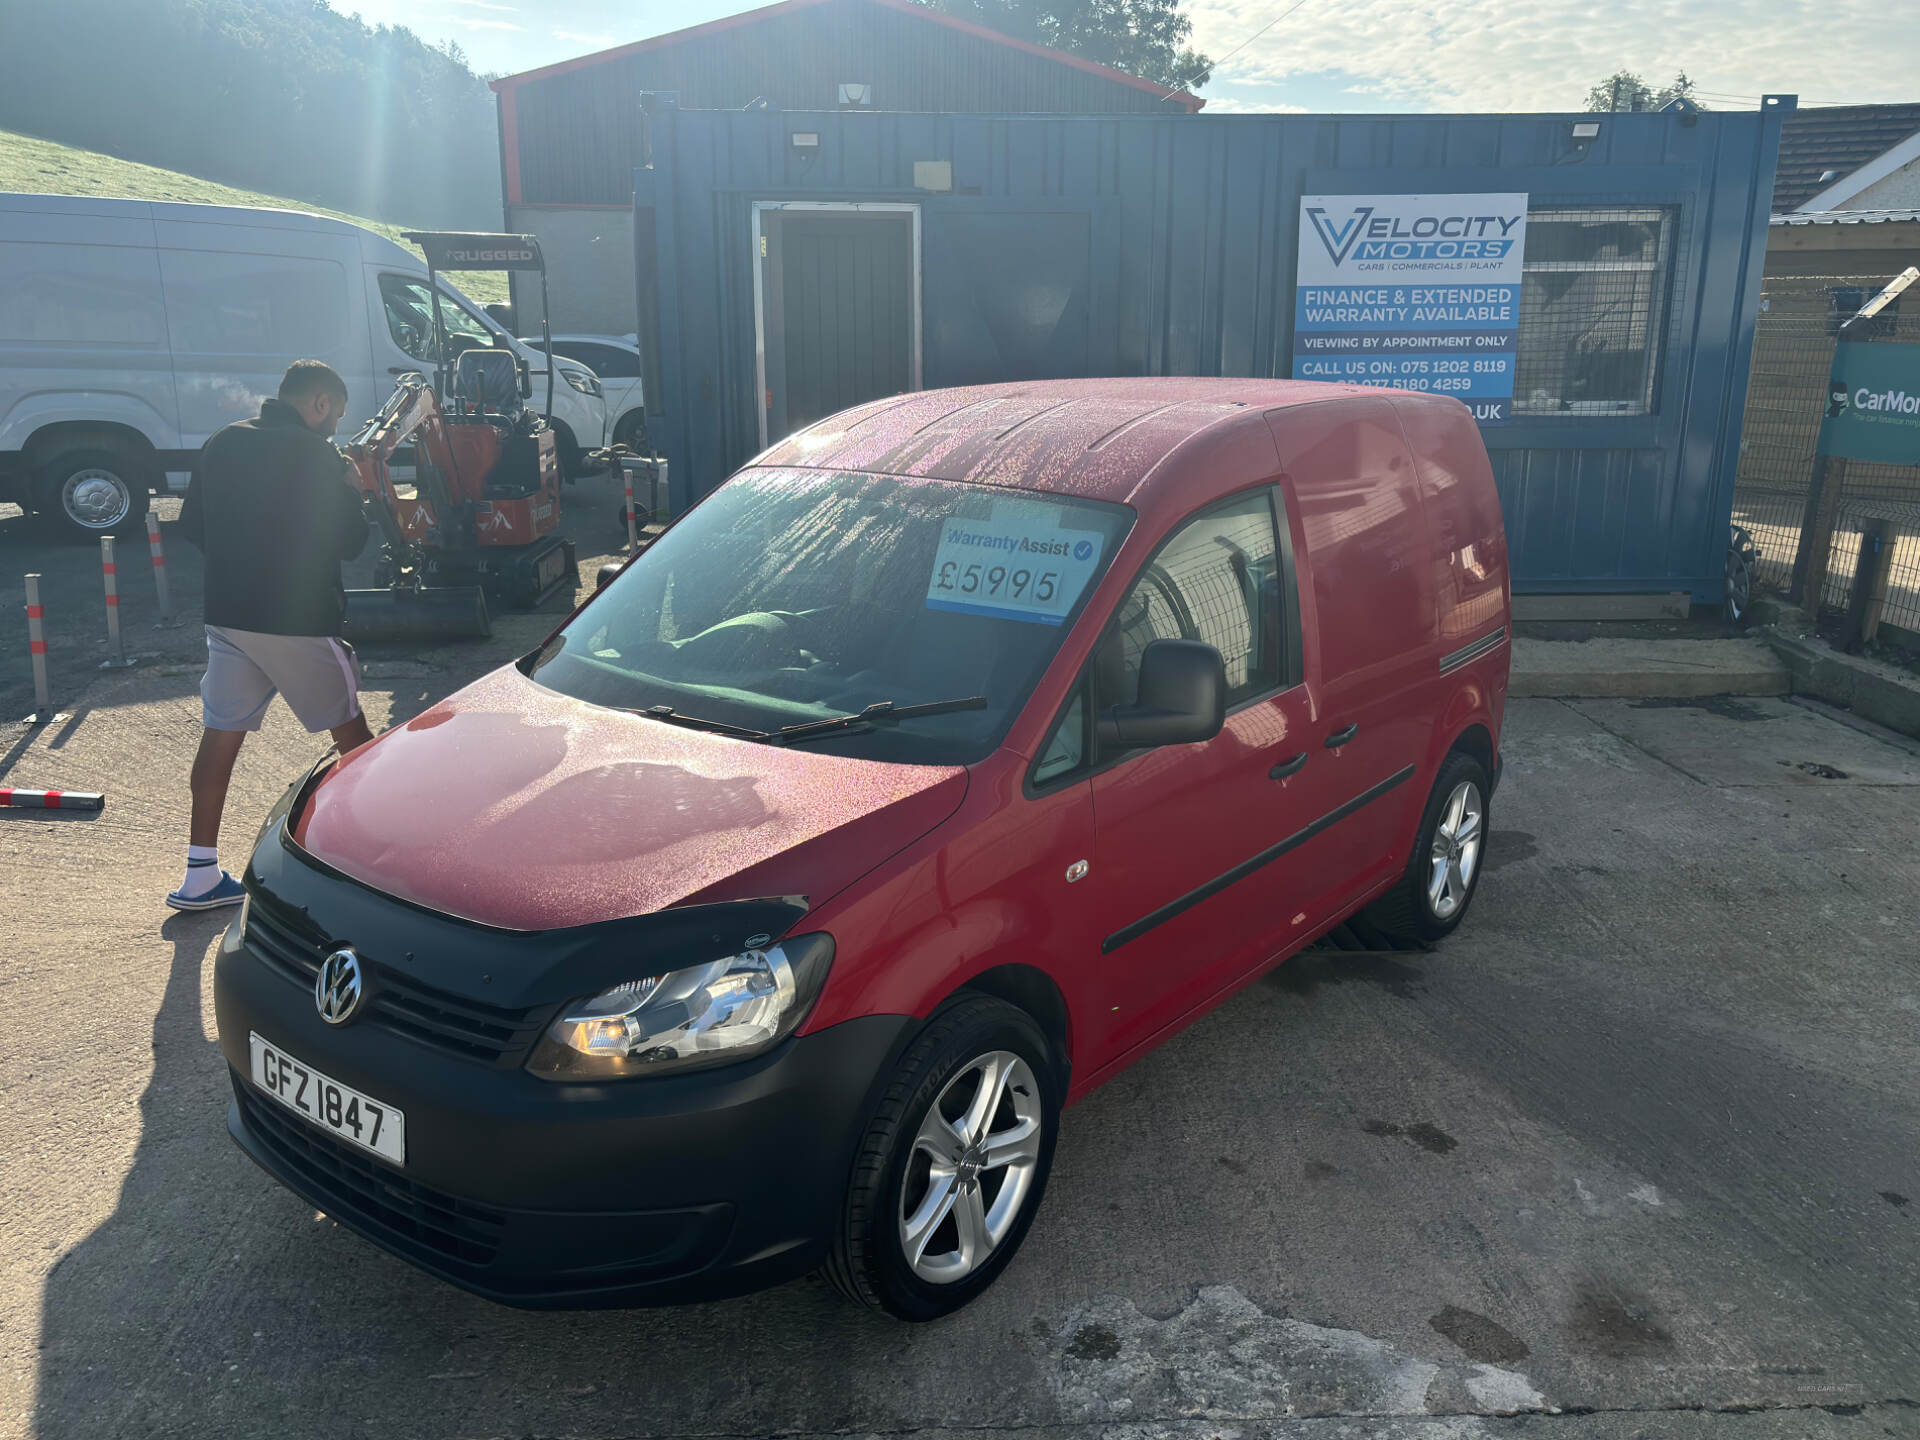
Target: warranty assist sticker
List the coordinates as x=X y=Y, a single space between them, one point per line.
x=1012 y=566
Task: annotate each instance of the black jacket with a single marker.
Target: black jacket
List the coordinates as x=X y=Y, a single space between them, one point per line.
x=273 y=506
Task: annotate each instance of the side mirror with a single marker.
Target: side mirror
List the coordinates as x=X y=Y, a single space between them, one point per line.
x=1182 y=701
x=607 y=572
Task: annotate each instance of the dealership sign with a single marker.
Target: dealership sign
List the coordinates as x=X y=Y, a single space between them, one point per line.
x=1418 y=292
x=1873 y=404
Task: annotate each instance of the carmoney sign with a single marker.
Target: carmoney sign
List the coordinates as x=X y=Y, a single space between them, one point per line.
x=1418 y=292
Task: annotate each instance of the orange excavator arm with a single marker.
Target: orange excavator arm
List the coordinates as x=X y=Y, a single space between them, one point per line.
x=410 y=416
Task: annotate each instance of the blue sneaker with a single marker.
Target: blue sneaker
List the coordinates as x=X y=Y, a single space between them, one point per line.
x=228 y=891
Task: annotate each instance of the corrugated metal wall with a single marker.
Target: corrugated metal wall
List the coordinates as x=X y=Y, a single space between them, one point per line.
x=579 y=132
x=1191 y=225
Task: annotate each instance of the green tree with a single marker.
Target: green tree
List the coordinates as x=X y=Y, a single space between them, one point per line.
x=1147 y=38
x=1624 y=90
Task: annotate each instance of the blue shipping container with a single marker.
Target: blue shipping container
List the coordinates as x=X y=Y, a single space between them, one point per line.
x=791 y=259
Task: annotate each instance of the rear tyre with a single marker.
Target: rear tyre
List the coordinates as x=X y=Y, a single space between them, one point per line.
x=1443 y=873
x=951 y=1170
x=84 y=494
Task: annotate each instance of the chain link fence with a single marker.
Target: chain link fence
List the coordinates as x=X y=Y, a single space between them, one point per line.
x=1800 y=319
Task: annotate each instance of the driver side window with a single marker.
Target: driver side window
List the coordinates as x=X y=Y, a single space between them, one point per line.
x=1219 y=578
x=1216 y=580
x=409 y=309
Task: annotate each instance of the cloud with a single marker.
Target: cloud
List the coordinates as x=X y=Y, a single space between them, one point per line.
x=487 y=24
x=598 y=42
x=1466 y=55
x=1243 y=105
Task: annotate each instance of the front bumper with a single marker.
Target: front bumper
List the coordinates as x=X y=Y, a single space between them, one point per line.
x=648 y=1191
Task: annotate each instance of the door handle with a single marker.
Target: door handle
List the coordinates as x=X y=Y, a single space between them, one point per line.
x=1340 y=737
x=1287 y=767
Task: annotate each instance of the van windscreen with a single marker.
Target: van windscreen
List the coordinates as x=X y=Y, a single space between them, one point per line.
x=791 y=597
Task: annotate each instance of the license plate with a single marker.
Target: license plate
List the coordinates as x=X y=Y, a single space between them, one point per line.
x=338 y=1109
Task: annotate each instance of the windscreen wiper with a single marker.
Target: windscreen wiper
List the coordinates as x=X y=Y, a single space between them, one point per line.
x=881 y=712
x=671 y=716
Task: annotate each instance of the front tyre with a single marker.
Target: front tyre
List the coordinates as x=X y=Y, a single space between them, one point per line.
x=950 y=1172
x=1444 y=871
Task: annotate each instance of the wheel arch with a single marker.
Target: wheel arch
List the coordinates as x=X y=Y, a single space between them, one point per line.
x=1475 y=740
x=1467 y=725
x=61 y=437
x=1032 y=990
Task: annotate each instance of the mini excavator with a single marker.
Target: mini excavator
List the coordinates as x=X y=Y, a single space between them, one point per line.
x=480 y=516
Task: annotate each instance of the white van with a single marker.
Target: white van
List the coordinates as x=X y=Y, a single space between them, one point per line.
x=131 y=330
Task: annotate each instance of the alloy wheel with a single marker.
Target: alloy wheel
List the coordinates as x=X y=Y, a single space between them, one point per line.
x=971 y=1169
x=1455 y=855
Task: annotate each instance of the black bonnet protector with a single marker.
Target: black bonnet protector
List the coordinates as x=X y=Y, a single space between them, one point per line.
x=516 y=969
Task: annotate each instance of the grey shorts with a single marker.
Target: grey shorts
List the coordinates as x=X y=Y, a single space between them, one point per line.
x=319 y=676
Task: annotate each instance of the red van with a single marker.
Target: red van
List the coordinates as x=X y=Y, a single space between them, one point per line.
x=937 y=766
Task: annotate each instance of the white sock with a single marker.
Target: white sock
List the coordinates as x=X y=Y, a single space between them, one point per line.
x=203 y=871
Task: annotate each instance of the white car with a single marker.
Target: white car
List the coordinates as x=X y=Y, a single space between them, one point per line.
x=616 y=360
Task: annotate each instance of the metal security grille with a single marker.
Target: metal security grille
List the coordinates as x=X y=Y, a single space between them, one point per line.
x=1799 y=319
x=1592 y=307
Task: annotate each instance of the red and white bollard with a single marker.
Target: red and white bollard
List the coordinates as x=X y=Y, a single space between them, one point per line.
x=51 y=799
x=159 y=571
x=116 y=652
x=37 y=647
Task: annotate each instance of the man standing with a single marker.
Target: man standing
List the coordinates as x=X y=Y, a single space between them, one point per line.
x=272 y=507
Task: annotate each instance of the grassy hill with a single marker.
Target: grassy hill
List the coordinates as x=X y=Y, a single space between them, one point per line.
x=42 y=167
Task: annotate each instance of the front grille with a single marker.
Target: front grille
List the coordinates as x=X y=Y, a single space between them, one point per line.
x=361 y=1190
x=396 y=1002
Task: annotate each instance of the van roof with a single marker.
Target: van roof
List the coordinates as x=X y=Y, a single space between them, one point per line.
x=373 y=245
x=1098 y=439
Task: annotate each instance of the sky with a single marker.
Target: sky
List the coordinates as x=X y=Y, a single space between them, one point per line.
x=1353 y=55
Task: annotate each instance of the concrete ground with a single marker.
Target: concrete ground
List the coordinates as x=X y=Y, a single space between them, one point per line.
x=1637 y=1152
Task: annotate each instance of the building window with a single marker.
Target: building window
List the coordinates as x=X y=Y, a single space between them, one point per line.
x=1592 y=310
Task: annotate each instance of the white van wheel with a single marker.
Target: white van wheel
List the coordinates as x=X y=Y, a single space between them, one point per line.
x=85 y=494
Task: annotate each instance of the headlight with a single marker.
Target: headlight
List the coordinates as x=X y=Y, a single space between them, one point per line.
x=709 y=1014
x=580 y=380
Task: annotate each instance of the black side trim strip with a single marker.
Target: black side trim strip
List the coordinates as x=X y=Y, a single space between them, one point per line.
x=1473 y=651
x=1246 y=867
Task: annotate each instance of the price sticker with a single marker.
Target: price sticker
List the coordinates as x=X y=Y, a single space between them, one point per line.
x=1015 y=565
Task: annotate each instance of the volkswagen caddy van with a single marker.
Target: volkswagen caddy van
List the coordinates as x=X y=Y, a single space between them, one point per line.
x=936 y=767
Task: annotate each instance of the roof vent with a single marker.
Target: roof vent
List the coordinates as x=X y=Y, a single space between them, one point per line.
x=1827 y=177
